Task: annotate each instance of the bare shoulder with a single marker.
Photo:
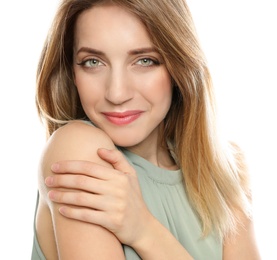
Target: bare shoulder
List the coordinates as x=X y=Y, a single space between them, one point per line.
x=242 y=168
x=75 y=141
x=80 y=131
x=79 y=138
x=243 y=244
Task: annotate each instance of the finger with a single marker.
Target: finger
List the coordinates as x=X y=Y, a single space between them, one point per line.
x=117 y=159
x=82 y=168
x=85 y=215
x=78 y=182
x=80 y=199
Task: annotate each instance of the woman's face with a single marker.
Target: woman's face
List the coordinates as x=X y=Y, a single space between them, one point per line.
x=124 y=86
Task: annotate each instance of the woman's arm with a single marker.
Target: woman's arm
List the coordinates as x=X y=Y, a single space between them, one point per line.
x=75 y=239
x=127 y=216
x=159 y=243
x=243 y=245
x=125 y=213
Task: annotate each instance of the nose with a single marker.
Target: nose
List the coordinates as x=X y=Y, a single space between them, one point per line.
x=118 y=89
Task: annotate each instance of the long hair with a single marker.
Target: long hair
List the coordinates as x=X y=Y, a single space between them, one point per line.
x=215 y=176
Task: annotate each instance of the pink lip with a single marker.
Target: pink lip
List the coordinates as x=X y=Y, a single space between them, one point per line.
x=123 y=118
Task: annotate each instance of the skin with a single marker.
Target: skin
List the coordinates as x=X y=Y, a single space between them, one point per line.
x=124 y=74
x=98 y=186
x=62 y=238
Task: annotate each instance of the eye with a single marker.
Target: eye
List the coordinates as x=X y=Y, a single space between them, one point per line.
x=91 y=63
x=147 y=62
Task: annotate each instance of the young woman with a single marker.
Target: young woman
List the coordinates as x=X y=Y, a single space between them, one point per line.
x=133 y=167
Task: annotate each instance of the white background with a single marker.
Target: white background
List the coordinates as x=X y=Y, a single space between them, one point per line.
x=239 y=39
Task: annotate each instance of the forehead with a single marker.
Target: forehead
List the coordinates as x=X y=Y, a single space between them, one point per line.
x=107 y=23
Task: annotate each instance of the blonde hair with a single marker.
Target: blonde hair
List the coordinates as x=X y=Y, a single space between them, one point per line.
x=215 y=176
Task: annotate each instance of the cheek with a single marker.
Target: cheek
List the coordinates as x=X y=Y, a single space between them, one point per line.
x=162 y=88
x=163 y=80
x=88 y=88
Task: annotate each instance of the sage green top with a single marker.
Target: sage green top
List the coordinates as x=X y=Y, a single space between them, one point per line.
x=165 y=196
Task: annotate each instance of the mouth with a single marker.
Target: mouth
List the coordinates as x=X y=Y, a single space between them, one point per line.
x=122 y=118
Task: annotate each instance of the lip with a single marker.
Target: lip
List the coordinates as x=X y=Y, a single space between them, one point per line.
x=122 y=118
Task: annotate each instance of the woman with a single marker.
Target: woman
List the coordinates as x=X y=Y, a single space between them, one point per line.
x=126 y=96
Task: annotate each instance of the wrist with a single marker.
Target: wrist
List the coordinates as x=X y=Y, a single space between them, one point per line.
x=146 y=239
x=157 y=242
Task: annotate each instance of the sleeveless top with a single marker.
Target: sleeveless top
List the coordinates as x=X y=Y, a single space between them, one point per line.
x=165 y=196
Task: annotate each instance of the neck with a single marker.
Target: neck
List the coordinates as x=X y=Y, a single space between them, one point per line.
x=155 y=152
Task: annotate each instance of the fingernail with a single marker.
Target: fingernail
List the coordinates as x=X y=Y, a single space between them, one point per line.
x=51 y=195
x=49 y=181
x=55 y=167
x=62 y=210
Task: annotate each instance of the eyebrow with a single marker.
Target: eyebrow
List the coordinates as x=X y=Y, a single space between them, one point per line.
x=142 y=50
x=90 y=50
x=131 y=52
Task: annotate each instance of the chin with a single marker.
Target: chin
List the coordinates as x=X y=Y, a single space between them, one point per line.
x=125 y=143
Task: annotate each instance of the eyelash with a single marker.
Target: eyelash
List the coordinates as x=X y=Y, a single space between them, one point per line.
x=153 y=62
x=83 y=63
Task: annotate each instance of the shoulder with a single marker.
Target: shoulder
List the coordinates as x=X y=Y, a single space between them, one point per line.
x=241 y=167
x=76 y=140
x=80 y=135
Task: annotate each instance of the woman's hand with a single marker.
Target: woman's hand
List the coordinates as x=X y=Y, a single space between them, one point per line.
x=109 y=197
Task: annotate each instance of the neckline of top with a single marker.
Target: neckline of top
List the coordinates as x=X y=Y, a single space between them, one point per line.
x=154 y=172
